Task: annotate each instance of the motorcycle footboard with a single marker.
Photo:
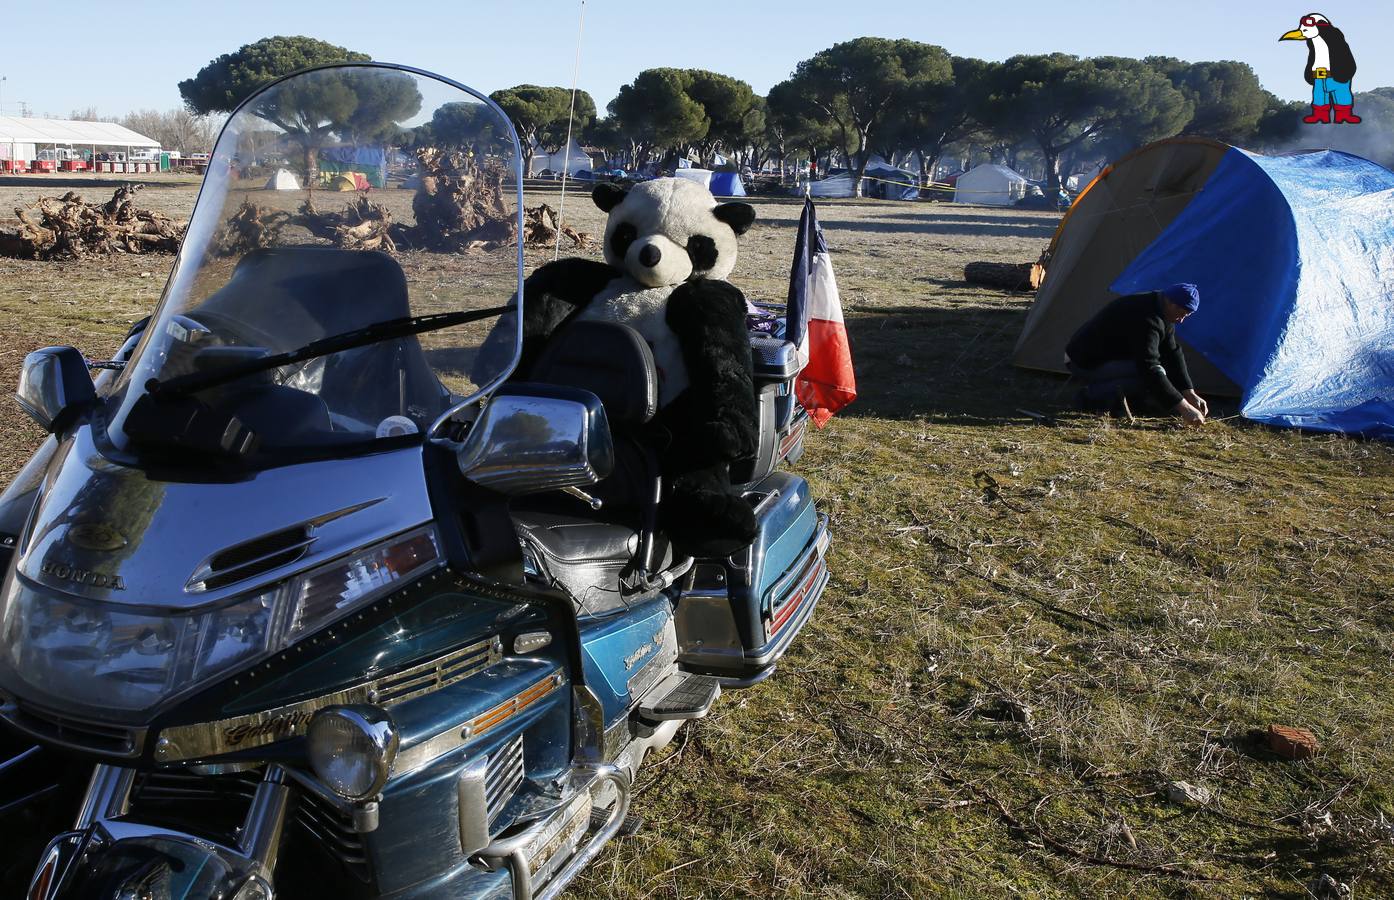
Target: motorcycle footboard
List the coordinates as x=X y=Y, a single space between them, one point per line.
x=741 y=614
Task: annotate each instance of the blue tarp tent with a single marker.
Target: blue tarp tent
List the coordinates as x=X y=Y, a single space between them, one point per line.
x=726 y=184
x=1294 y=257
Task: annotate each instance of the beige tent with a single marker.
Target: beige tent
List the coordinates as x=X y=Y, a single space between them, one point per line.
x=1121 y=211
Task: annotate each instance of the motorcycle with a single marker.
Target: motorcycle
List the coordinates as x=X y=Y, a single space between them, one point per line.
x=304 y=596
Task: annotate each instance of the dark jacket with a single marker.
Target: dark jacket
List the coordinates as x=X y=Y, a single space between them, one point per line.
x=1132 y=328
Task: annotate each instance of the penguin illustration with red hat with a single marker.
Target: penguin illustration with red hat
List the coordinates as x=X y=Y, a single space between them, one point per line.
x=1330 y=67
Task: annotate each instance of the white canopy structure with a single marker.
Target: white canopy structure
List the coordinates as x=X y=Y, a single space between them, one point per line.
x=571 y=158
x=990 y=185
x=21 y=138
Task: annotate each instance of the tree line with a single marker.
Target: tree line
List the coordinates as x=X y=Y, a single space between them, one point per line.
x=897 y=98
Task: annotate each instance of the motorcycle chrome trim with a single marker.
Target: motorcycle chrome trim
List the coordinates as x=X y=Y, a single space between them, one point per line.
x=522 y=444
x=423 y=753
x=472 y=797
x=107 y=799
x=705 y=620
x=531 y=850
x=592 y=738
x=180 y=743
x=260 y=840
x=108 y=795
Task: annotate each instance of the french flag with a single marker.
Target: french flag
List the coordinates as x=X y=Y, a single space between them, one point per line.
x=814 y=324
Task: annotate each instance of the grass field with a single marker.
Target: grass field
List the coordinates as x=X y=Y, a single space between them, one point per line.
x=1030 y=632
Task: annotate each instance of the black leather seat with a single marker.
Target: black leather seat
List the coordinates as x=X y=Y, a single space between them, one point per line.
x=584 y=556
x=586 y=552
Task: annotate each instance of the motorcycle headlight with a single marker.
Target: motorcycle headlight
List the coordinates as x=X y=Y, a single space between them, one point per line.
x=352 y=748
x=115 y=659
x=121 y=660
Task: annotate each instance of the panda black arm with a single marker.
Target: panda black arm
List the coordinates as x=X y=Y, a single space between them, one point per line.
x=708 y=317
x=573 y=280
x=553 y=293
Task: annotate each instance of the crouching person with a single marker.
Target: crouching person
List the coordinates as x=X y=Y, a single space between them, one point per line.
x=1128 y=354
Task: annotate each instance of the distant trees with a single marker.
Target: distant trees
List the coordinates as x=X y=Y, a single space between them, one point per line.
x=939 y=114
x=177 y=129
x=553 y=135
x=655 y=111
x=680 y=109
x=1226 y=96
x=232 y=77
x=901 y=98
x=1058 y=102
x=360 y=106
x=792 y=123
x=729 y=109
x=540 y=114
x=860 y=85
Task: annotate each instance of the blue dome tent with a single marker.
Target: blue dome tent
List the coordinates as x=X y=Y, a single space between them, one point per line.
x=1294 y=257
x=726 y=184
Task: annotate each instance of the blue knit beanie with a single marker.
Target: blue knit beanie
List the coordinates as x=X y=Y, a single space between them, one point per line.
x=1186 y=296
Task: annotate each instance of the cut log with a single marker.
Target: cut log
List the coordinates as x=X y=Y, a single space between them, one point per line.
x=1011 y=276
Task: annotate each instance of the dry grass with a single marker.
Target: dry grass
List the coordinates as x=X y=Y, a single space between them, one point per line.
x=1029 y=630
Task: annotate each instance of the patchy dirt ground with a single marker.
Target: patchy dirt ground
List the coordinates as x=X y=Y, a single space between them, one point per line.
x=1031 y=631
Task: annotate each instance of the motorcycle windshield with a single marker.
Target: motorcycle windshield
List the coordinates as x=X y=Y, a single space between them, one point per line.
x=336 y=199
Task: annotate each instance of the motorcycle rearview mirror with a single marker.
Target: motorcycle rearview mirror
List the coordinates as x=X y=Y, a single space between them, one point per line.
x=55 y=387
x=534 y=437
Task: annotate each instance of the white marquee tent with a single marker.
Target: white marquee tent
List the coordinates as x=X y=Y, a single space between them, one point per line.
x=23 y=138
x=572 y=158
x=990 y=185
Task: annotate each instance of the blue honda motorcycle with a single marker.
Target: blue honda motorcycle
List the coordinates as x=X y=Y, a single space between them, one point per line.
x=304 y=596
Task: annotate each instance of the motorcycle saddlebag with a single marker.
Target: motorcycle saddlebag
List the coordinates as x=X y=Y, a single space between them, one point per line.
x=738 y=616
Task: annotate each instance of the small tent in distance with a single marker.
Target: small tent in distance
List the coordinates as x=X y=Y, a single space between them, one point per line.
x=283 y=180
x=990 y=185
x=726 y=184
x=1291 y=254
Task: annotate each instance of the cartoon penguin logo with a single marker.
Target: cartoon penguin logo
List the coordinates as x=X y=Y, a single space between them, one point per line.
x=1330 y=67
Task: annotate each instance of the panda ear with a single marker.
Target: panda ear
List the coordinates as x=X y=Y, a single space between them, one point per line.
x=740 y=216
x=607 y=196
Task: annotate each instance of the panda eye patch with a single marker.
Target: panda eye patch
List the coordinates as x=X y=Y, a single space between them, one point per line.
x=620 y=239
x=702 y=251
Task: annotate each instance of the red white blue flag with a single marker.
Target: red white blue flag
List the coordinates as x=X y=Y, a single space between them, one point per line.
x=814 y=324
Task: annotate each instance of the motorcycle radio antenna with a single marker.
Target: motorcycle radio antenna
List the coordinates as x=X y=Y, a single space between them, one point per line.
x=570 y=117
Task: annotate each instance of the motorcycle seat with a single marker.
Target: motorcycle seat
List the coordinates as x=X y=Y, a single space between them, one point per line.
x=584 y=556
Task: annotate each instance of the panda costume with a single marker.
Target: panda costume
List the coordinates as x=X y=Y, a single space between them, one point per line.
x=668 y=247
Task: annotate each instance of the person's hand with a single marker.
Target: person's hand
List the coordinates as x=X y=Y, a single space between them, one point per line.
x=1197 y=401
x=1190 y=416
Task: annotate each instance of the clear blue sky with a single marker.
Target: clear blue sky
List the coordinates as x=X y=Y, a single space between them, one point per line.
x=118 y=57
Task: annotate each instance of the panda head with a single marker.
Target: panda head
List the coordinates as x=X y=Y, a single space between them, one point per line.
x=670 y=230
